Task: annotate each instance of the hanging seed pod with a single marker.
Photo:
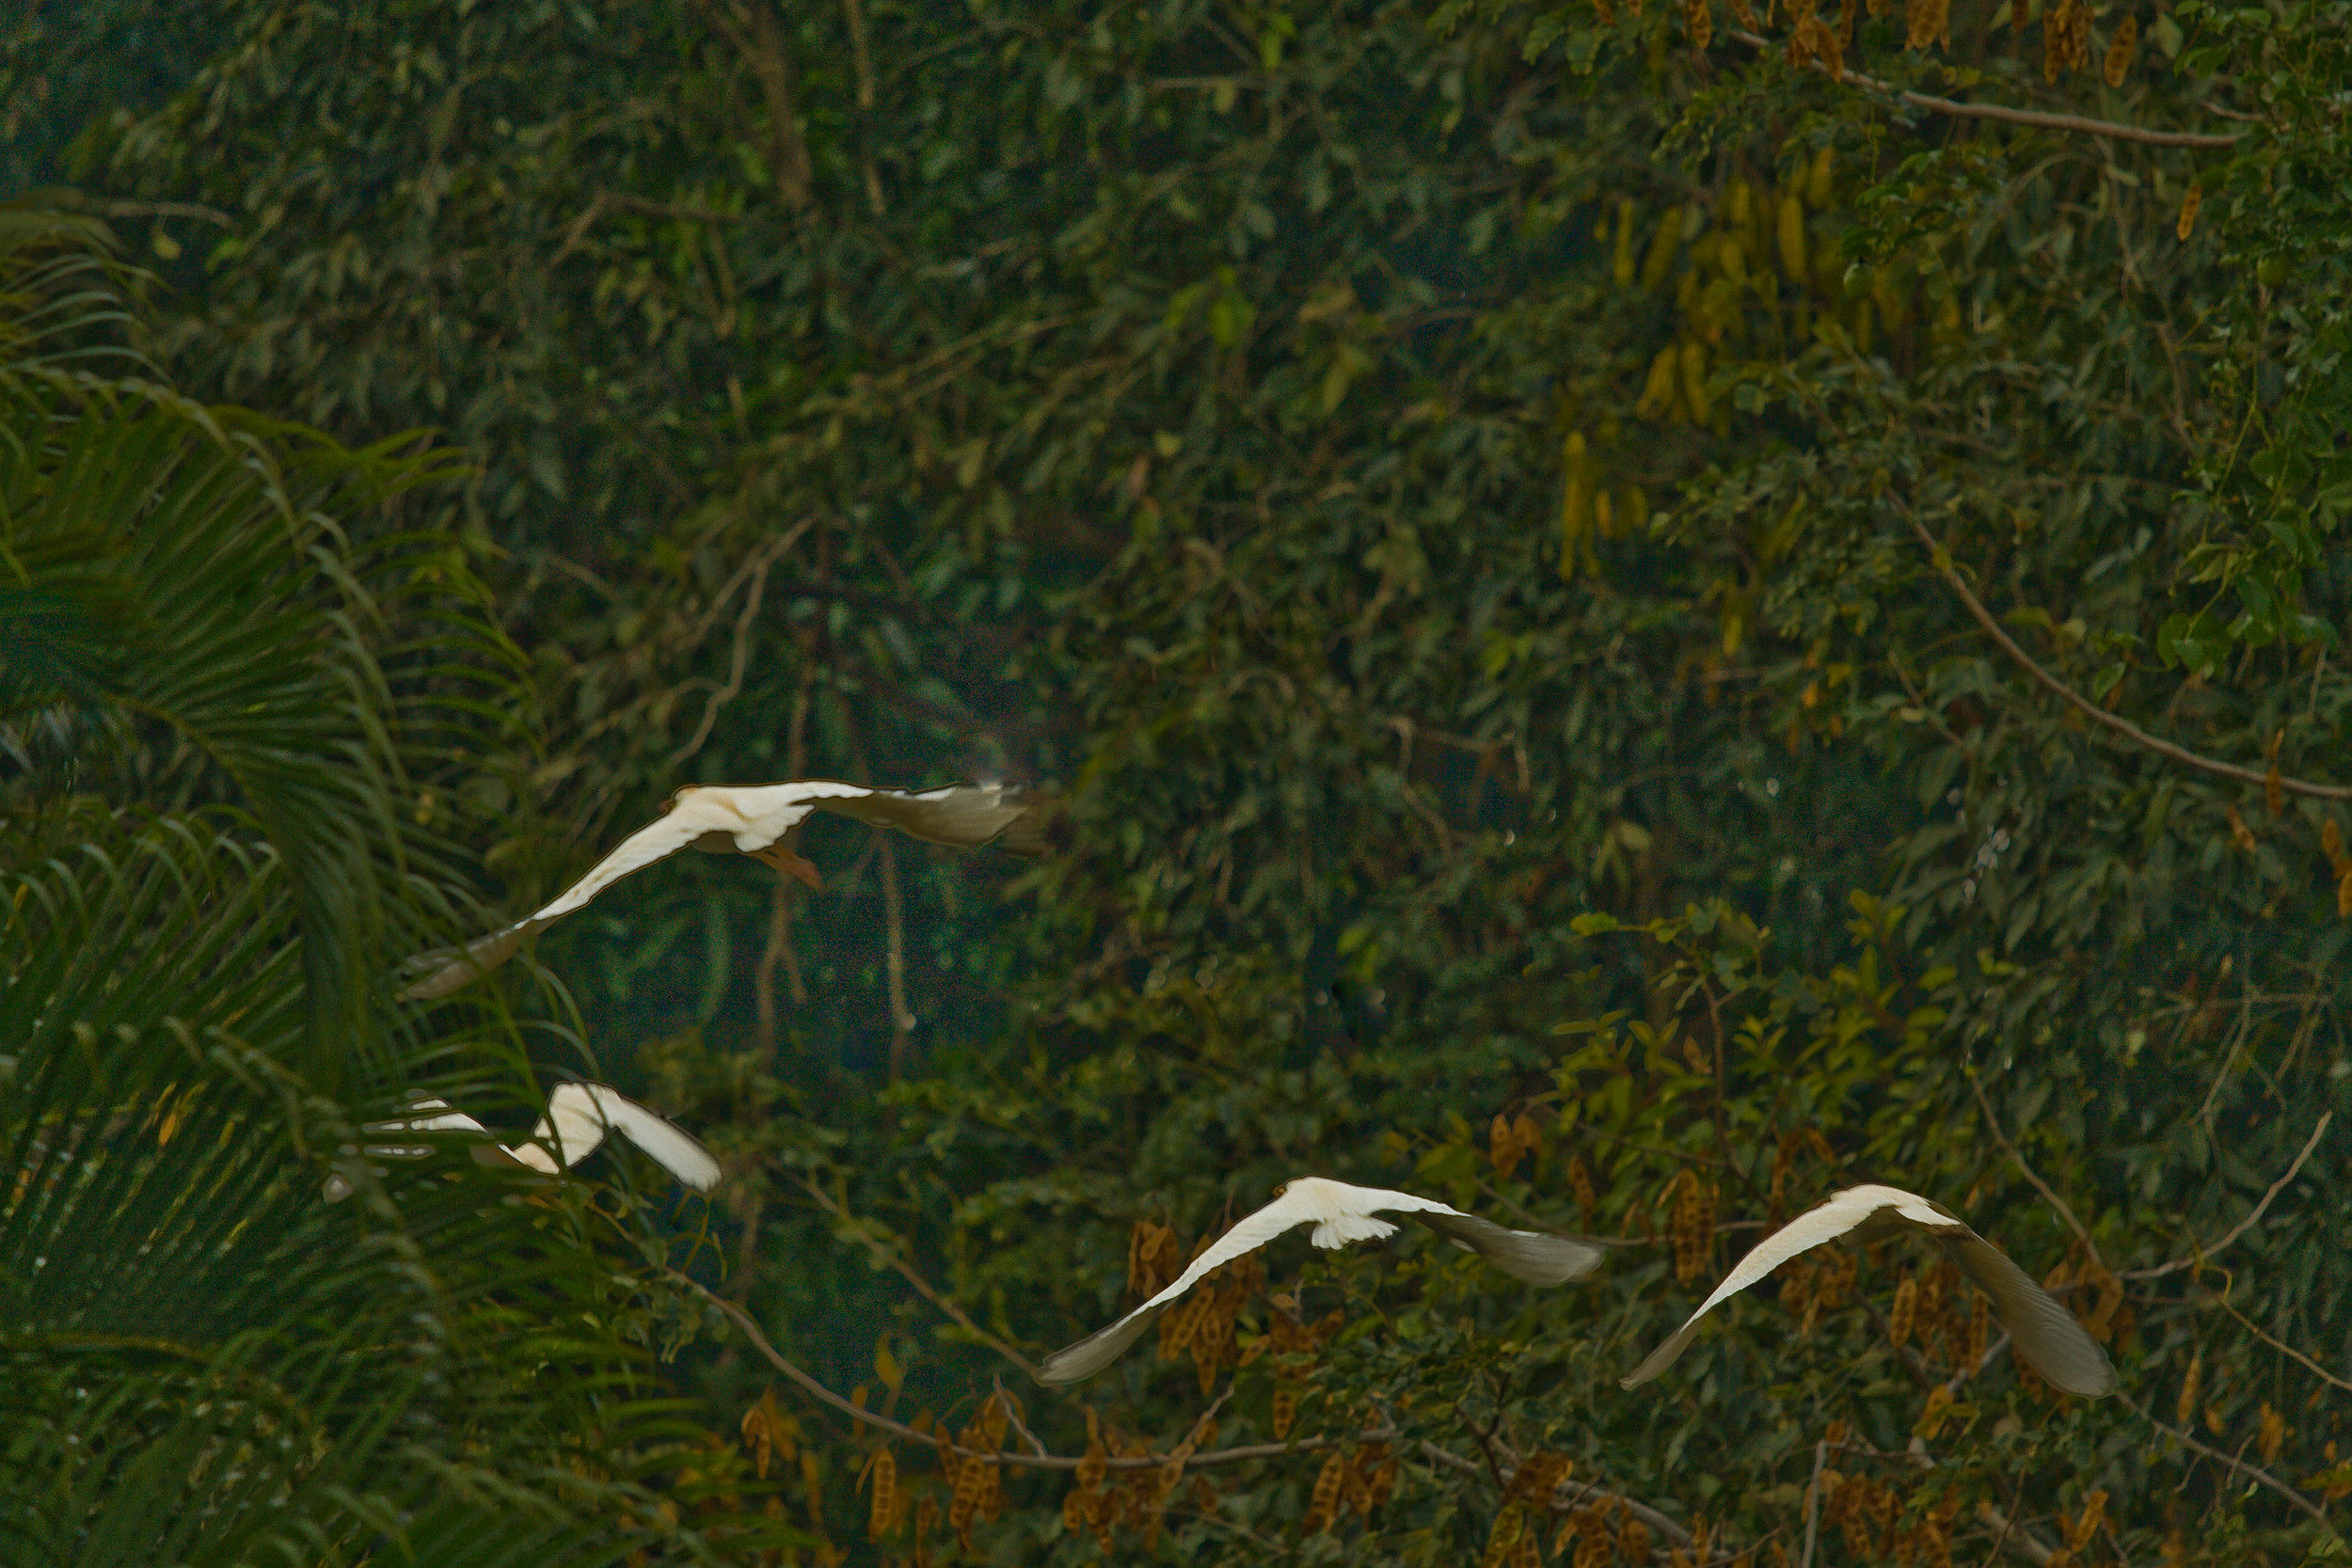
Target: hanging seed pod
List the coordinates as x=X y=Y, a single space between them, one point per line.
x=2343 y=897
x=2120 y=51
x=881 y=1519
x=2240 y=834
x=1657 y=400
x=1285 y=1411
x=2079 y=1531
x=1694 y=379
x=1581 y=1184
x=1924 y=22
x=1510 y=1526
x=1791 y=236
x=1633 y=1540
x=1621 y=266
x=1700 y=19
x=1979 y=1324
x=1323 y=1503
x=2189 y=203
x=925 y=1518
x=1744 y=14
x=1898 y=1321
x=2274 y=1433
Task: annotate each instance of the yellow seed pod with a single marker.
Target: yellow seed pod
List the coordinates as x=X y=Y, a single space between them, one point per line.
x=1657 y=400
x=1694 y=379
x=2331 y=844
x=2120 y=51
x=883 y=1520
x=1732 y=256
x=1744 y=14
x=1661 y=249
x=1701 y=21
x=1898 y=1321
x=1792 y=239
x=1323 y=1504
x=1820 y=178
x=1739 y=204
x=1860 y=317
x=2189 y=203
x=1633 y=506
x=2275 y=1431
x=1604 y=516
x=2343 y=897
x=1621 y=267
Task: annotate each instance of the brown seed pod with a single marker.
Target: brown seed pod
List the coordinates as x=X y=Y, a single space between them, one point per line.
x=1700 y=19
x=2189 y=203
x=2274 y=1433
x=1537 y=1475
x=881 y=1519
x=1924 y=22
x=2120 y=51
x=2240 y=834
x=1744 y=14
x=1898 y=1321
x=1323 y=1503
x=926 y=1517
x=1285 y=1411
x=2331 y=845
x=2185 y=1411
x=1581 y=1184
x=1633 y=1540
x=1510 y=1527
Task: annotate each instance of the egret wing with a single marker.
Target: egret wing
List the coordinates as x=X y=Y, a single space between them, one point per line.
x=1527 y=1255
x=1089 y=1355
x=2046 y=1336
x=648 y=844
x=1810 y=1229
x=672 y=1147
x=961 y=816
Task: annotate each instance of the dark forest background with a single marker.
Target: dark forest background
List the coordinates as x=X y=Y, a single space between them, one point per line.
x=1627 y=633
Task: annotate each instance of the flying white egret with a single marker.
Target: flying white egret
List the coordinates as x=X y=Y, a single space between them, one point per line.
x=579 y=1116
x=2046 y=1336
x=752 y=819
x=1340 y=1214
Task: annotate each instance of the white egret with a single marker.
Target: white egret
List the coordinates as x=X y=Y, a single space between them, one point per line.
x=579 y=1116
x=1340 y=1214
x=2046 y=1336
x=752 y=819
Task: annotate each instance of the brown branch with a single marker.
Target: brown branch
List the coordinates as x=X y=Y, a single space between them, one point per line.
x=1942 y=559
x=881 y=1422
x=757 y=568
x=2288 y=1493
x=614 y=201
x=2007 y=116
x=757 y=33
x=906 y=1272
x=2198 y=1258
x=1813 y=1503
x=2280 y=1345
x=1577 y=1492
x=894 y=953
x=163 y=210
x=2041 y=1186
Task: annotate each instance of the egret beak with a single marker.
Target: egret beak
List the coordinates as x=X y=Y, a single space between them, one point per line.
x=789 y=864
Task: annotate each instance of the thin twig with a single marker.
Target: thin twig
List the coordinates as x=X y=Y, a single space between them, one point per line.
x=1942 y=559
x=894 y=954
x=1577 y=1492
x=2280 y=1345
x=2041 y=1186
x=759 y=35
x=757 y=569
x=906 y=1271
x=616 y=201
x=1813 y=1503
x=2208 y=1249
x=2011 y=117
x=881 y=1422
x=2288 y=1493
x=164 y=210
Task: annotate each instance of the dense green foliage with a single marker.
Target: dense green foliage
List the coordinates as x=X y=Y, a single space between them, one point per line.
x=1455 y=499
x=213 y=704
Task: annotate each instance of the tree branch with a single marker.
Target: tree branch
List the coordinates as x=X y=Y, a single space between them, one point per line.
x=757 y=35
x=906 y=1272
x=2288 y=1493
x=1942 y=560
x=2008 y=117
x=2206 y=1251
x=881 y=1422
x=2041 y=1186
x=1576 y=1491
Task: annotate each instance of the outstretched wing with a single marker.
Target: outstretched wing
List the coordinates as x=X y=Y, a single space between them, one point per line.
x=2046 y=1336
x=577 y=1107
x=1089 y=1355
x=1527 y=1255
x=648 y=844
x=1828 y=1222
x=962 y=816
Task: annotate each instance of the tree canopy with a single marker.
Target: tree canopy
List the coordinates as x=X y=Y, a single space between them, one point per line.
x=1636 y=619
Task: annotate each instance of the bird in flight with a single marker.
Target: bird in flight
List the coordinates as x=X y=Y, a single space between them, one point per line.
x=752 y=819
x=579 y=1116
x=1340 y=1214
x=2046 y=1336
